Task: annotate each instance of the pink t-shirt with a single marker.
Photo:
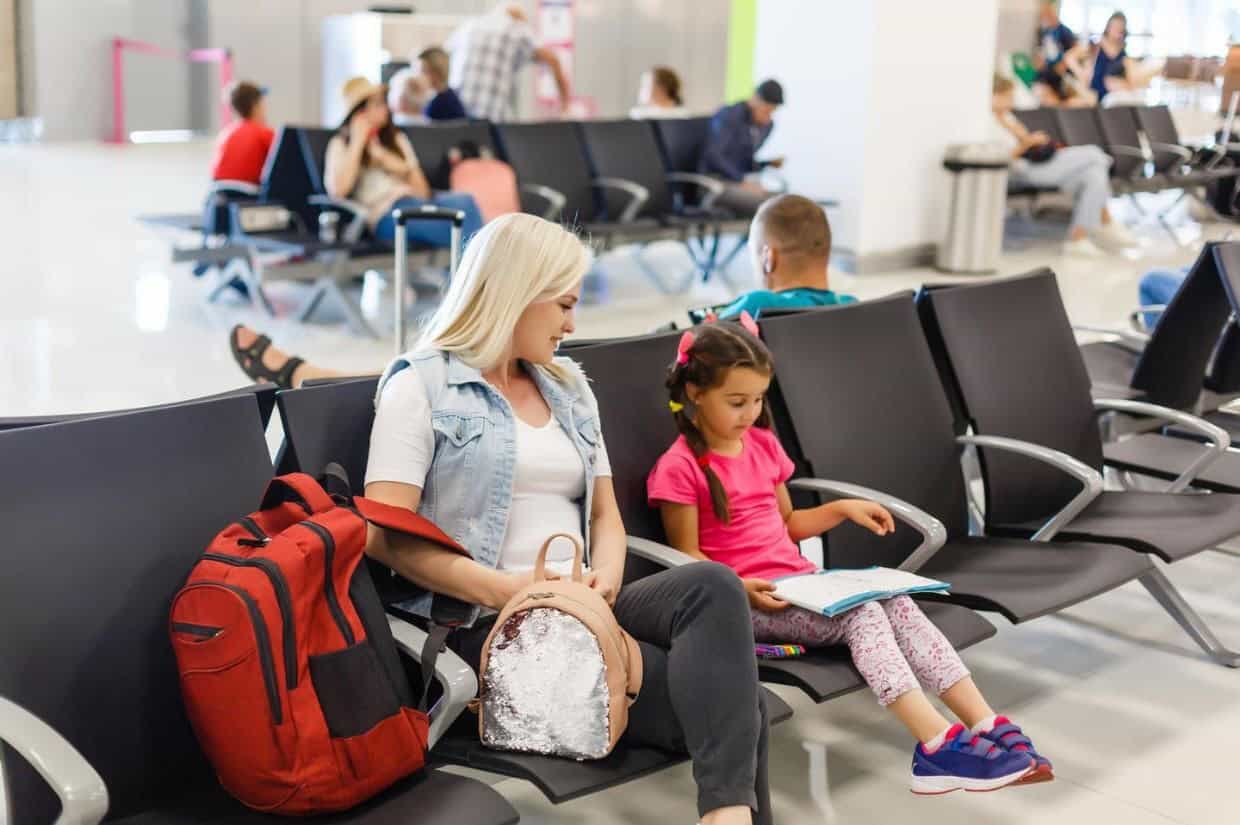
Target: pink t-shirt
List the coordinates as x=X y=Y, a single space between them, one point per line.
x=756 y=544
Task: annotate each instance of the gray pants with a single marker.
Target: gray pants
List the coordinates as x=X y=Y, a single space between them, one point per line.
x=700 y=689
x=1081 y=171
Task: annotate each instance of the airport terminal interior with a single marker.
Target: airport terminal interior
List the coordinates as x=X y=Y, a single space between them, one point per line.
x=931 y=224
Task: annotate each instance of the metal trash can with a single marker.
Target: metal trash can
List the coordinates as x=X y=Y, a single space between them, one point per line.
x=978 y=207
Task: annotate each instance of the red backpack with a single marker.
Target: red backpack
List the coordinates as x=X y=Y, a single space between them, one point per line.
x=288 y=669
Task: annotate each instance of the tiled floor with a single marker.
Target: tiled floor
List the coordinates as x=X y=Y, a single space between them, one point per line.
x=1142 y=728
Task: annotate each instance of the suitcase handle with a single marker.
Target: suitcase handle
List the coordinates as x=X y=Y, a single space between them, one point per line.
x=425 y=212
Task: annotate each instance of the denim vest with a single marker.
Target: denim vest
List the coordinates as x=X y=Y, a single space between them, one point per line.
x=468 y=488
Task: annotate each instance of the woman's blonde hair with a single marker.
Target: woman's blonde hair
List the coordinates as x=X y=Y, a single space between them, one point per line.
x=510 y=263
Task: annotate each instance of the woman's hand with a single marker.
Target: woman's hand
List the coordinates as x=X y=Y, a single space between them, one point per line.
x=760 y=598
x=605 y=580
x=873 y=517
x=359 y=131
x=514 y=583
x=390 y=161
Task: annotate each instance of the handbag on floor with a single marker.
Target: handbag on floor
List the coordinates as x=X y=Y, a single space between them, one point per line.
x=557 y=673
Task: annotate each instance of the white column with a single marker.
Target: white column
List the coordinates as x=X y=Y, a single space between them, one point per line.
x=875 y=92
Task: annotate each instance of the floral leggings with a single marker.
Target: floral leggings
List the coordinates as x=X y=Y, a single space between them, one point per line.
x=892 y=644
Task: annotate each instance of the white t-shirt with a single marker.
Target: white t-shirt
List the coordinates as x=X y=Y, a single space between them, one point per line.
x=547 y=489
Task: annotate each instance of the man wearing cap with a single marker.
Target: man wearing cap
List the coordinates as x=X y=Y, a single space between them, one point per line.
x=736 y=133
x=241 y=149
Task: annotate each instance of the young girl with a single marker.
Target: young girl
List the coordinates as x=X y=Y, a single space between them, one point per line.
x=720 y=489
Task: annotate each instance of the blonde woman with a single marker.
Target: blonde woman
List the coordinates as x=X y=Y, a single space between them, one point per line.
x=482 y=429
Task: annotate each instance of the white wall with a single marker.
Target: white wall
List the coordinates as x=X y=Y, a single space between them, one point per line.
x=875 y=92
x=929 y=86
x=821 y=61
x=67 y=70
x=67 y=65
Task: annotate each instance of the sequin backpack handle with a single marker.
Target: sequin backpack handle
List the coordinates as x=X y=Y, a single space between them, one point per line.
x=558 y=673
x=540 y=566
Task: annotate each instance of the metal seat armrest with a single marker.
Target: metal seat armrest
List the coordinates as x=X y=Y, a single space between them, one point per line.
x=1218 y=438
x=658 y=553
x=460 y=683
x=234 y=187
x=1090 y=478
x=933 y=533
x=1126 y=151
x=555 y=198
x=1132 y=339
x=83 y=795
x=638 y=195
x=356 y=212
x=1173 y=149
x=714 y=187
x=1135 y=317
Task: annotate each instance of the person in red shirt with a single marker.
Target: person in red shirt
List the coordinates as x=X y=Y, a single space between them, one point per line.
x=241 y=149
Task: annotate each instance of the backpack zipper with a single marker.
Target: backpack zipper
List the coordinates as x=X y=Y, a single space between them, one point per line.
x=333 y=603
x=202 y=631
x=618 y=641
x=283 y=599
x=260 y=539
x=264 y=645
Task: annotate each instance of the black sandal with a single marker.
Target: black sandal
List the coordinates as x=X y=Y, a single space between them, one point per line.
x=250 y=360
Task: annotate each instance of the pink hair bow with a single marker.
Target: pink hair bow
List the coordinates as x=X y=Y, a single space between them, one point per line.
x=682 y=349
x=749 y=324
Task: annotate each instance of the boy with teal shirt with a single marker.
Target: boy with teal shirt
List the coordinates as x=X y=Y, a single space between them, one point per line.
x=790 y=244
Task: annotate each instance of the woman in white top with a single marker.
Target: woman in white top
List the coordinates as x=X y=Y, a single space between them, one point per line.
x=659 y=96
x=372 y=162
x=483 y=430
x=1082 y=171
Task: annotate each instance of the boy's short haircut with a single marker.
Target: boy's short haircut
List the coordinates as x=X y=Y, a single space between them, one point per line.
x=243 y=97
x=795 y=225
x=436 y=60
x=1001 y=85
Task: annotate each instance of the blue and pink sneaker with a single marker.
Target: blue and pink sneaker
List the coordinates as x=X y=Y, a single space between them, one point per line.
x=966 y=762
x=1008 y=735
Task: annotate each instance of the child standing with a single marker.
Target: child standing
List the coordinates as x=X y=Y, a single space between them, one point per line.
x=721 y=492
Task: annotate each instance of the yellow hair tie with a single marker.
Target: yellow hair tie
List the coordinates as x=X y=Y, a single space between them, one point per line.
x=675 y=407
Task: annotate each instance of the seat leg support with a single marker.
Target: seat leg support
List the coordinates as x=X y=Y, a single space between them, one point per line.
x=819 y=787
x=1173 y=601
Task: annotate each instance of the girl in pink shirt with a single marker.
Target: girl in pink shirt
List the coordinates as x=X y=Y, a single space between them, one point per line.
x=721 y=492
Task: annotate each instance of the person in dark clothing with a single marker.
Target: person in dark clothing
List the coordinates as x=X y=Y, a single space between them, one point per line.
x=421 y=91
x=1060 y=56
x=1110 y=62
x=736 y=133
x=445 y=104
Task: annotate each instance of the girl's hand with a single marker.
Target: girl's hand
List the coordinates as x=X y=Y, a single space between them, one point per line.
x=873 y=517
x=760 y=597
x=605 y=580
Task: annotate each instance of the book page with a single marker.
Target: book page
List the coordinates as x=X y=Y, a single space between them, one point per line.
x=834 y=591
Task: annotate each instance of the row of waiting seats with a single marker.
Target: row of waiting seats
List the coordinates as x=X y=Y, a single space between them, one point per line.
x=1143 y=142
x=622 y=182
x=147 y=489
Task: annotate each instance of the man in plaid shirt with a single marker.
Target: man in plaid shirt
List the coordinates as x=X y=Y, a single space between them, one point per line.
x=488 y=52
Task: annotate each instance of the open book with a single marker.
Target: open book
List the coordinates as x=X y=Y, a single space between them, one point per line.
x=832 y=592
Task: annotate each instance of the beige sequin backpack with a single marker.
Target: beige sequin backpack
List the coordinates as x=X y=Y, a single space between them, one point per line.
x=558 y=673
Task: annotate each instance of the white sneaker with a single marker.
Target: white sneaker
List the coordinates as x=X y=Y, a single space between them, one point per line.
x=1115 y=235
x=1084 y=247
